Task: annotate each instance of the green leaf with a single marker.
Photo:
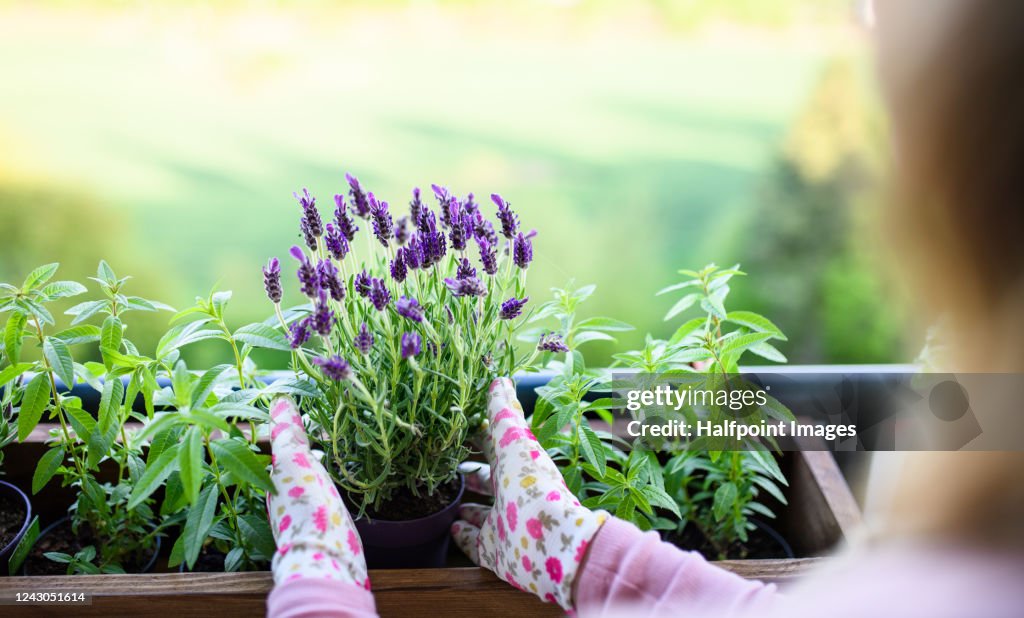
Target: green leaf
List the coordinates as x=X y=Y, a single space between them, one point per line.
x=658 y=497
x=200 y=518
x=82 y=422
x=63 y=289
x=25 y=545
x=156 y=473
x=111 y=336
x=682 y=305
x=239 y=411
x=263 y=336
x=13 y=334
x=37 y=395
x=209 y=421
x=85 y=333
x=190 y=463
x=742 y=342
x=713 y=303
x=204 y=387
x=604 y=324
x=108 y=420
x=59 y=356
x=106 y=273
x=593 y=450
x=256 y=532
x=767 y=351
x=39 y=276
x=13 y=372
x=235 y=456
x=755 y=322
x=84 y=311
x=47 y=467
x=678 y=286
x=725 y=498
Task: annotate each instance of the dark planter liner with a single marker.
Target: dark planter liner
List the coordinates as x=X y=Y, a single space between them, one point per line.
x=784 y=547
x=13 y=492
x=412 y=544
x=146 y=569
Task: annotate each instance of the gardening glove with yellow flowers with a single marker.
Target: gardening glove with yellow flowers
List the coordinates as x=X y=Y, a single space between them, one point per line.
x=537 y=533
x=314 y=533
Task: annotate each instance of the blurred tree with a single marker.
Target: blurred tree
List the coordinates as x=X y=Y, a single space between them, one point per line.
x=813 y=244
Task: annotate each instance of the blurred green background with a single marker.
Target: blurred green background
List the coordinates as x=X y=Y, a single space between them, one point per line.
x=638 y=138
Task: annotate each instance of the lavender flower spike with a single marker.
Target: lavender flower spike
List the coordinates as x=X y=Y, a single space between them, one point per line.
x=465 y=270
x=309 y=279
x=416 y=207
x=509 y=220
x=272 y=280
x=383 y=226
x=466 y=287
x=359 y=202
x=311 y=224
x=488 y=256
x=379 y=294
x=363 y=284
x=552 y=342
x=337 y=244
x=513 y=308
x=363 y=341
x=346 y=225
x=522 y=251
x=399 y=271
x=335 y=368
x=409 y=308
x=402 y=230
x=329 y=279
x=298 y=333
x=322 y=318
x=412 y=345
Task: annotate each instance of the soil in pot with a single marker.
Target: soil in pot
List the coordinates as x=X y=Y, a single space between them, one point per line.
x=763 y=543
x=12 y=518
x=58 y=537
x=404 y=505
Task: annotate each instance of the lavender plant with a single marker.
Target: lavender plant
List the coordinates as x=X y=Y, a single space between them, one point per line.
x=402 y=337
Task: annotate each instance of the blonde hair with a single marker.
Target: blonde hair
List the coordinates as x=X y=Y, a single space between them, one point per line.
x=952 y=79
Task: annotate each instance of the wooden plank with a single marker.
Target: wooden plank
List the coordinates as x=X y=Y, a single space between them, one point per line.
x=461 y=592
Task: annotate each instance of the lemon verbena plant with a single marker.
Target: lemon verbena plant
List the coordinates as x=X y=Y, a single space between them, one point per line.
x=402 y=331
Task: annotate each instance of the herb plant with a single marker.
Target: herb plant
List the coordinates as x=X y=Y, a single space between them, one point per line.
x=123 y=535
x=403 y=338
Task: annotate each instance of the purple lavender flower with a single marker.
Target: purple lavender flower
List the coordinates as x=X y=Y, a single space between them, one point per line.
x=461 y=231
x=383 y=226
x=471 y=286
x=552 y=342
x=337 y=244
x=359 y=201
x=424 y=218
x=322 y=318
x=335 y=368
x=409 y=307
x=311 y=224
x=509 y=220
x=346 y=225
x=469 y=205
x=412 y=253
x=488 y=256
x=363 y=284
x=465 y=270
x=399 y=271
x=432 y=243
x=379 y=294
x=444 y=200
x=272 y=280
x=416 y=207
x=522 y=251
x=309 y=279
x=484 y=230
x=513 y=308
x=363 y=341
x=412 y=345
x=298 y=333
x=329 y=279
x=402 y=230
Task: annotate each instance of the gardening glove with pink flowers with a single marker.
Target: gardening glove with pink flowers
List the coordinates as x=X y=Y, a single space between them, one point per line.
x=537 y=532
x=313 y=530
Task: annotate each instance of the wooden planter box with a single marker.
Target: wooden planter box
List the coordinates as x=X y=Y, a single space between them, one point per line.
x=821 y=515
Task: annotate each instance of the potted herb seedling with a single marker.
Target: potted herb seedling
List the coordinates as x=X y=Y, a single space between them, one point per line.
x=403 y=332
x=102 y=533
x=15 y=508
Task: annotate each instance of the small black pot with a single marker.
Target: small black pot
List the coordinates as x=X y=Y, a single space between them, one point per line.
x=775 y=536
x=412 y=544
x=12 y=492
x=146 y=569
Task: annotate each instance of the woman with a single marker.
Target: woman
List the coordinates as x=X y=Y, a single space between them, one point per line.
x=951 y=541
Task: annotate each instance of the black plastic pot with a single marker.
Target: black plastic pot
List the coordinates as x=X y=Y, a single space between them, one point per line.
x=412 y=544
x=13 y=493
x=146 y=569
x=773 y=534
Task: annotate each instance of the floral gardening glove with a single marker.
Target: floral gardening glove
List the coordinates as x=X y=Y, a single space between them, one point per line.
x=537 y=533
x=313 y=530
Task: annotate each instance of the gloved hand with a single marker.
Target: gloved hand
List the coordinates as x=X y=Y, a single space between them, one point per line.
x=537 y=532
x=312 y=528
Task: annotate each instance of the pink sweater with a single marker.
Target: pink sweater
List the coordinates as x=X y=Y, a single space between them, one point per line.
x=630 y=573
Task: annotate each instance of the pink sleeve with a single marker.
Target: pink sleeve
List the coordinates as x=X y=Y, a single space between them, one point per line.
x=630 y=570
x=313 y=598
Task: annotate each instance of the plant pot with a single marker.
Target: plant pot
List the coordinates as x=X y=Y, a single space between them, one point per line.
x=60 y=522
x=10 y=499
x=410 y=544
